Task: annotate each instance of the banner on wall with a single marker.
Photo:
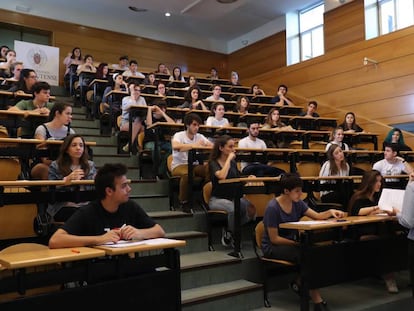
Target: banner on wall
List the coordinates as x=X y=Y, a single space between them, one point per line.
x=43 y=59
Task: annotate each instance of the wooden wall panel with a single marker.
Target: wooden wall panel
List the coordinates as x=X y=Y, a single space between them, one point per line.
x=344 y=25
x=267 y=54
x=107 y=46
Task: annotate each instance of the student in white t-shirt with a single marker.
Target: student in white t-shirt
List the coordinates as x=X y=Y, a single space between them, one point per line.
x=181 y=143
x=218 y=118
x=253 y=141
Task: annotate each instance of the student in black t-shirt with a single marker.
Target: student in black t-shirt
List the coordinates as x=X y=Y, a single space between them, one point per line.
x=111 y=218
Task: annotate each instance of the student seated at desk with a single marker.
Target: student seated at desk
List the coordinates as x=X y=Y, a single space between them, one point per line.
x=213 y=74
x=15 y=70
x=222 y=165
x=364 y=202
x=253 y=141
x=283 y=244
x=111 y=218
x=163 y=69
x=157 y=113
x=181 y=143
x=132 y=71
x=192 y=81
x=216 y=96
x=5 y=66
x=72 y=164
x=218 y=118
x=392 y=164
x=73 y=58
x=255 y=90
x=273 y=121
x=176 y=75
x=336 y=165
x=56 y=129
x=112 y=104
x=337 y=137
x=193 y=99
x=40 y=103
x=349 y=124
x=395 y=136
x=311 y=110
x=28 y=78
x=280 y=99
x=242 y=107
x=122 y=64
x=135 y=99
x=234 y=79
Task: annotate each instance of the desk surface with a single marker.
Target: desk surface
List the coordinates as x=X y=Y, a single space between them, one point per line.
x=37 y=141
x=146 y=245
x=332 y=223
x=48 y=256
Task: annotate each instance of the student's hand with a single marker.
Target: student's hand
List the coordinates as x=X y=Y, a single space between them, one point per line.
x=337 y=213
x=77 y=174
x=391 y=213
x=111 y=236
x=130 y=233
x=44 y=110
x=411 y=176
x=231 y=156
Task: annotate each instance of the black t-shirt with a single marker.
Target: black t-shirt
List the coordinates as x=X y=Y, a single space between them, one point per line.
x=93 y=219
x=224 y=191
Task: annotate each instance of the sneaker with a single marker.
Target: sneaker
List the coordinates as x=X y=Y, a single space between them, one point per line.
x=126 y=148
x=321 y=306
x=227 y=239
x=391 y=286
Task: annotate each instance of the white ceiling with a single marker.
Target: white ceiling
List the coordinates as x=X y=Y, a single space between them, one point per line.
x=205 y=24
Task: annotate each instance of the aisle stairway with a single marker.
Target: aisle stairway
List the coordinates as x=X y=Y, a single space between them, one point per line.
x=209 y=279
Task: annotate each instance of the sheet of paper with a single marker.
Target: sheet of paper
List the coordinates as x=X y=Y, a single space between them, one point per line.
x=391 y=198
x=311 y=222
x=124 y=243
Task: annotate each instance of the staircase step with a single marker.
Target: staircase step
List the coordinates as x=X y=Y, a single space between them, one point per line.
x=196 y=241
x=152 y=203
x=235 y=295
x=173 y=221
x=81 y=122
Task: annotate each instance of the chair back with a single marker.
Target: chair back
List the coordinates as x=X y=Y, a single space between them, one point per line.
x=10 y=169
x=257 y=239
x=169 y=164
x=207 y=188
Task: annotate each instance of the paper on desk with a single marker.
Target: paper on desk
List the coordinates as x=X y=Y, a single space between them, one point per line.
x=311 y=222
x=125 y=243
x=391 y=198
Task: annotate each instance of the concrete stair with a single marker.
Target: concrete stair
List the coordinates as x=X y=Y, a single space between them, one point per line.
x=209 y=279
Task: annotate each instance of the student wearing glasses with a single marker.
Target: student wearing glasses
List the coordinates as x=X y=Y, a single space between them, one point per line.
x=27 y=79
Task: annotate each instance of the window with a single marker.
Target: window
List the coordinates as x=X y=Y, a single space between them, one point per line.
x=304 y=34
x=385 y=16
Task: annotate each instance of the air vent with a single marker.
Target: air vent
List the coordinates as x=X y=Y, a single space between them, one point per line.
x=135 y=9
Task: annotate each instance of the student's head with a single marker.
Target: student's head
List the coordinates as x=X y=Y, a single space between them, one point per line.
x=255 y=88
x=312 y=106
x=192 y=120
x=106 y=180
x=335 y=154
x=253 y=127
x=123 y=60
x=193 y=94
x=76 y=53
x=223 y=144
x=390 y=151
x=282 y=89
x=371 y=183
x=192 y=80
x=11 y=55
x=161 y=89
x=73 y=151
x=3 y=51
x=117 y=78
x=28 y=78
x=218 y=109
x=350 y=118
x=41 y=91
x=162 y=104
x=133 y=65
x=243 y=103
x=395 y=136
x=134 y=89
x=102 y=70
x=234 y=77
x=216 y=90
x=162 y=68
x=291 y=185
x=273 y=117
x=213 y=72
x=15 y=69
x=61 y=111
x=88 y=59
x=177 y=73
x=151 y=78
x=337 y=134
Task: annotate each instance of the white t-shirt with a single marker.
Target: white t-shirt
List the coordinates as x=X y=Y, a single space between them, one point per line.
x=211 y=98
x=181 y=157
x=247 y=142
x=212 y=121
x=386 y=168
x=127 y=102
x=326 y=171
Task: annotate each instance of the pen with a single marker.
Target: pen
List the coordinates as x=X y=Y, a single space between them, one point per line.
x=123 y=226
x=75 y=251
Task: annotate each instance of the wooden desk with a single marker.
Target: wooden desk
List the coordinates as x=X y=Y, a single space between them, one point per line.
x=115 y=278
x=84 y=78
x=353 y=139
x=310 y=123
x=345 y=258
x=48 y=256
x=14 y=119
x=285 y=110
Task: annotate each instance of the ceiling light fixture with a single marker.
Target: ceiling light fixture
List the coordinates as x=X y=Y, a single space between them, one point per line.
x=135 y=9
x=167 y=14
x=226 y=1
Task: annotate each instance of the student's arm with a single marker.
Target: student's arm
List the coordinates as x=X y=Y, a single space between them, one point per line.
x=324 y=215
x=132 y=233
x=275 y=238
x=176 y=145
x=222 y=173
x=61 y=238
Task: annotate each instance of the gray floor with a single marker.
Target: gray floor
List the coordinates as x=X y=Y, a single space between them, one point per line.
x=364 y=295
